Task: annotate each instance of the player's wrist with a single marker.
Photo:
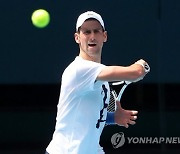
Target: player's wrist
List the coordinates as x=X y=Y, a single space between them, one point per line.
x=110 y=118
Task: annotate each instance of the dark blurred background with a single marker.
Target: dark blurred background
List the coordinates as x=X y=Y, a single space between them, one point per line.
x=32 y=61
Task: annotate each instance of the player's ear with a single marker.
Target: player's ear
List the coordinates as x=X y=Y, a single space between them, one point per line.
x=105 y=36
x=76 y=37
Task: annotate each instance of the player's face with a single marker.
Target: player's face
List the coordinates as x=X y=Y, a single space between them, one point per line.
x=91 y=38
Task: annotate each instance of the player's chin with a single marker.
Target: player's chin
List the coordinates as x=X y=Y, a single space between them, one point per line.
x=94 y=50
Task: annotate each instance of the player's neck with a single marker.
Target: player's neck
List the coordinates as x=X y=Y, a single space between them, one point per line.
x=90 y=58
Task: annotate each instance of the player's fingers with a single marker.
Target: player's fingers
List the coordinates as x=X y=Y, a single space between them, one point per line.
x=126 y=125
x=133 y=117
x=134 y=112
x=132 y=122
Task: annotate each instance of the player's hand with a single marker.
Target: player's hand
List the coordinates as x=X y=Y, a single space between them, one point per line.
x=145 y=67
x=125 y=117
x=144 y=64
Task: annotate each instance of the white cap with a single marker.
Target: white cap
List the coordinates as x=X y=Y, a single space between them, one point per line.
x=87 y=15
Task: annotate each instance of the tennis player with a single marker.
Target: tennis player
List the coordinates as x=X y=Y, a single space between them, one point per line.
x=84 y=95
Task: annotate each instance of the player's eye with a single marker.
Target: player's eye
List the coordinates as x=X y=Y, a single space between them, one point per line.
x=97 y=31
x=87 y=32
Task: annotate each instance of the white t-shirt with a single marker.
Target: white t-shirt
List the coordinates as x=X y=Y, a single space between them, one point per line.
x=82 y=110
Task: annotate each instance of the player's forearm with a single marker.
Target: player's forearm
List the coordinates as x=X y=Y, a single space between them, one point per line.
x=121 y=73
x=129 y=73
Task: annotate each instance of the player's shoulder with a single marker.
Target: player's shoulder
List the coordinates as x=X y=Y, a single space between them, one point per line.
x=81 y=65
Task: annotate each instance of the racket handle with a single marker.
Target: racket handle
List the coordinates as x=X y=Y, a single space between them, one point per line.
x=145 y=66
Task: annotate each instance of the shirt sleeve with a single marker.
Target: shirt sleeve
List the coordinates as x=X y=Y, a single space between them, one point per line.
x=87 y=74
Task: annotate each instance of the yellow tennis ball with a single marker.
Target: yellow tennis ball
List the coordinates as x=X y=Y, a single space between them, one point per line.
x=40 y=18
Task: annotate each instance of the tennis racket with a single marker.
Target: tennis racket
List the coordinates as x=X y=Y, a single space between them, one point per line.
x=113 y=95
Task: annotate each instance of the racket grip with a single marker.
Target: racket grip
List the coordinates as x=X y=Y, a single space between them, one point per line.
x=145 y=66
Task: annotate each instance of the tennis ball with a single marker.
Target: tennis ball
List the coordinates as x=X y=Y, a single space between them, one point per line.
x=40 y=18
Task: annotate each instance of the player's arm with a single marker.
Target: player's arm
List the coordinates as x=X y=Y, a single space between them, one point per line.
x=131 y=73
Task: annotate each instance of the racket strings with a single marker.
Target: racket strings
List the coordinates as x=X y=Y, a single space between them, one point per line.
x=112 y=101
x=114 y=96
